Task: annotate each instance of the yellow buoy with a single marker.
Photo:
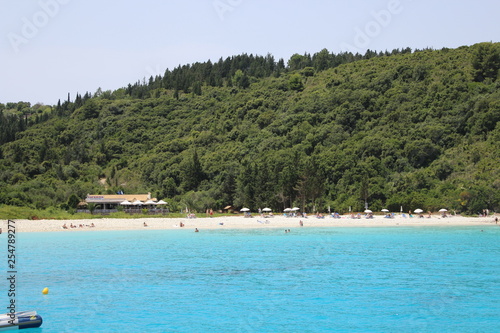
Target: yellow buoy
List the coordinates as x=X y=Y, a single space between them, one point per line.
x=45 y=291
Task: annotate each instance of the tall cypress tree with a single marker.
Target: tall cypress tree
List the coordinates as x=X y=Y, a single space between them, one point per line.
x=193 y=173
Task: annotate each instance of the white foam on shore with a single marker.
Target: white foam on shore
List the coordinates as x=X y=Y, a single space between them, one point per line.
x=238 y=222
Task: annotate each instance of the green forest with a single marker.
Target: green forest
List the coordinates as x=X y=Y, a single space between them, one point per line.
x=410 y=128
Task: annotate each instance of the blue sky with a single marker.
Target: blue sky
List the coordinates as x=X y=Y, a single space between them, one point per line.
x=52 y=47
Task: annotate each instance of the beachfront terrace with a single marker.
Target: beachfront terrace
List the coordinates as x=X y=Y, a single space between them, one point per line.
x=129 y=203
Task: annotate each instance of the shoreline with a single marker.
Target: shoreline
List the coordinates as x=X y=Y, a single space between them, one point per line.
x=238 y=222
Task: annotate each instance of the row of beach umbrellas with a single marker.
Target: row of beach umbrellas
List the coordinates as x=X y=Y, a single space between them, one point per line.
x=138 y=203
x=286 y=210
x=294 y=209
x=418 y=211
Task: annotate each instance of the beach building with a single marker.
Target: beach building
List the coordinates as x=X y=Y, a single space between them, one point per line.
x=131 y=203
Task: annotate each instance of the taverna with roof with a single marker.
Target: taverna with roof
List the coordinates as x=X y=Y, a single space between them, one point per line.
x=129 y=203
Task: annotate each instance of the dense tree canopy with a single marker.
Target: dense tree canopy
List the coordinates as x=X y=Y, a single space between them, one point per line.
x=414 y=129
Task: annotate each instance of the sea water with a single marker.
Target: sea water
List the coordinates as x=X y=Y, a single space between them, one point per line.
x=401 y=279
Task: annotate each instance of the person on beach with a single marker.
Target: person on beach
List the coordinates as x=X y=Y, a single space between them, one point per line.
x=196 y=230
x=301 y=223
x=65 y=226
x=145 y=224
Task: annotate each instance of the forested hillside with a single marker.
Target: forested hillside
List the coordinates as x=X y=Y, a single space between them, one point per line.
x=417 y=129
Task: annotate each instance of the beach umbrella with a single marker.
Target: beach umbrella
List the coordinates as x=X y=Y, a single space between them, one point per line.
x=443 y=210
x=244 y=210
x=267 y=209
x=150 y=202
x=126 y=203
x=287 y=210
x=137 y=203
x=295 y=208
x=418 y=211
x=385 y=210
x=368 y=211
x=161 y=202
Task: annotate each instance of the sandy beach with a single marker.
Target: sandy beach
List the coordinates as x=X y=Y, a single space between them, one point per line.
x=239 y=222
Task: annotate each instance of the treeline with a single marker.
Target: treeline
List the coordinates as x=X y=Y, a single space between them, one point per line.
x=241 y=70
x=17 y=117
x=413 y=129
x=238 y=71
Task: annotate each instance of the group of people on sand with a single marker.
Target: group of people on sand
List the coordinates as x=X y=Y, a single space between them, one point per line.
x=295 y=214
x=74 y=226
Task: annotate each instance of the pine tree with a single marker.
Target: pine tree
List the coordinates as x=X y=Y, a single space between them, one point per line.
x=193 y=173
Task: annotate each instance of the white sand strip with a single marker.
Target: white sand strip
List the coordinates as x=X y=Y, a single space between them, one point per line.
x=238 y=222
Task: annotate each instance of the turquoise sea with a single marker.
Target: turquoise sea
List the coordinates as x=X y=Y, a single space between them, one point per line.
x=401 y=279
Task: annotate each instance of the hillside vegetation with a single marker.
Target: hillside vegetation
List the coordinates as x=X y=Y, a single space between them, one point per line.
x=412 y=129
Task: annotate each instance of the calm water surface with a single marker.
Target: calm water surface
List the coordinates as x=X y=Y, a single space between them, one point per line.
x=309 y=280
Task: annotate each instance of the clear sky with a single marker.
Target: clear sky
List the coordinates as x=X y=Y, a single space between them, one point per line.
x=50 y=48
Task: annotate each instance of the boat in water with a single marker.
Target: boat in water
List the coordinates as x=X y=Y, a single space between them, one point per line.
x=20 y=320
